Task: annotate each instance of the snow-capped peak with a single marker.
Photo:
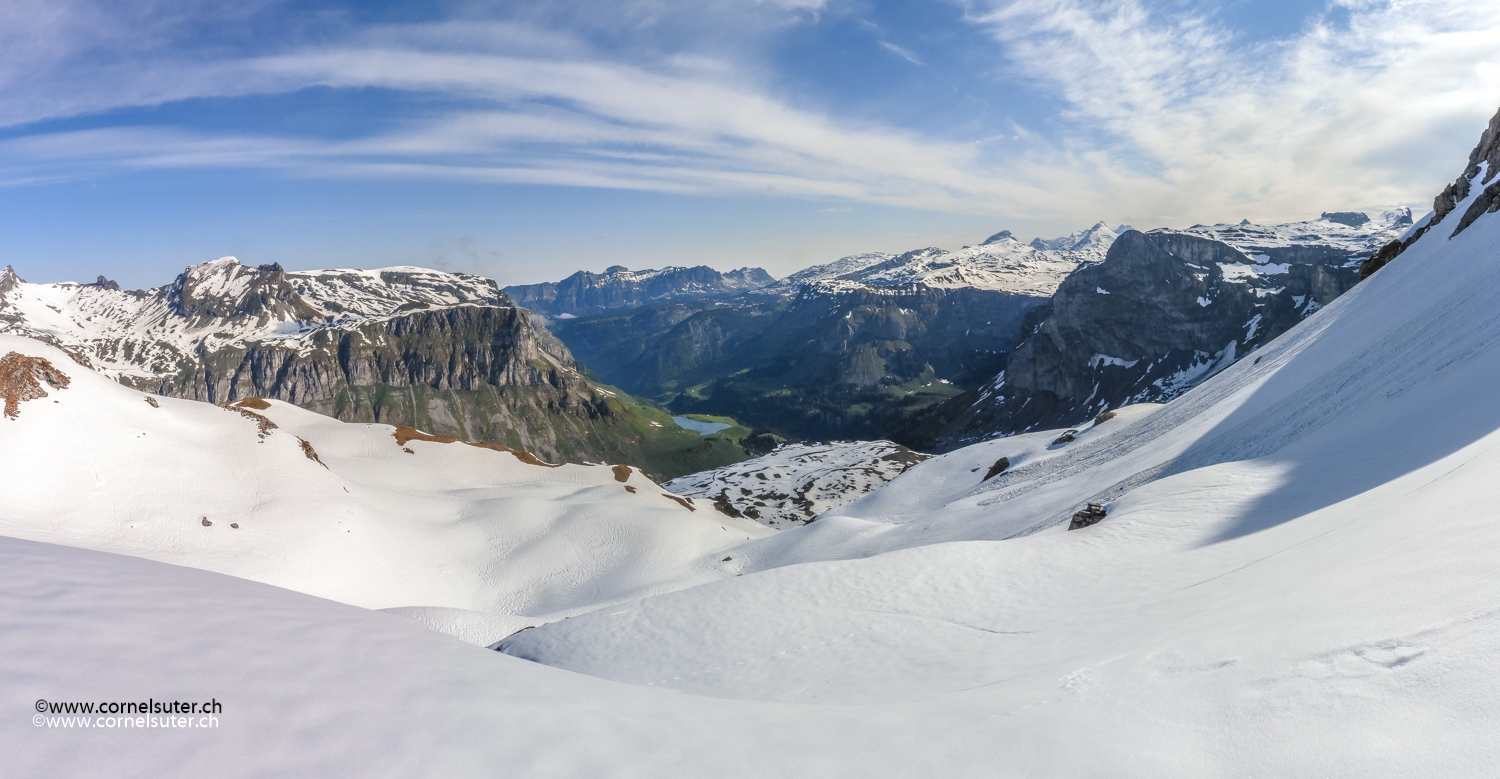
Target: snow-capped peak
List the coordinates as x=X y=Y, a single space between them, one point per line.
x=1100 y=235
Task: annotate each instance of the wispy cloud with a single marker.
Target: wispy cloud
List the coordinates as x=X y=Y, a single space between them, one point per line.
x=1168 y=117
x=1190 y=121
x=684 y=126
x=900 y=52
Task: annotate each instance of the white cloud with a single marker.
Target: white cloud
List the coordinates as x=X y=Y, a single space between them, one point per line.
x=1194 y=124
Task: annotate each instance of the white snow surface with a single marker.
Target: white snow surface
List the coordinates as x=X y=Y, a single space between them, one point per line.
x=797 y=482
x=489 y=543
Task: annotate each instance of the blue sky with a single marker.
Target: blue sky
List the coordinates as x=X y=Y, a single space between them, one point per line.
x=528 y=140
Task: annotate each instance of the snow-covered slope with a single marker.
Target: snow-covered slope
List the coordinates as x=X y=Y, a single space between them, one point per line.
x=1295 y=576
x=366 y=514
x=797 y=482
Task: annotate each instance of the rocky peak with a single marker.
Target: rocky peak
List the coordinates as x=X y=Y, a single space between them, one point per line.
x=1003 y=235
x=1396 y=217
x=224 y=289
x=103 y=283
x=1100 y=235
x=9 y=280
x=749 y=278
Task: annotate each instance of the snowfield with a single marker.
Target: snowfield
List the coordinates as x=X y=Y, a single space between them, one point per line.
x=485 y=542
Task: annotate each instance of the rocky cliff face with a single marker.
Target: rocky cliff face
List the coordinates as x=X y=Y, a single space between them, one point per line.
x=618 y=287
x=445 y=353
x=1163 y=312
x=1474 y=193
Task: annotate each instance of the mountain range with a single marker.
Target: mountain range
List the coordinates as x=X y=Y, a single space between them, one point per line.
x=912 y=346
x=446 y=353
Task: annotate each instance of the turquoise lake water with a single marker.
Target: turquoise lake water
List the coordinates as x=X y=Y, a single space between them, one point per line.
x=703 y=428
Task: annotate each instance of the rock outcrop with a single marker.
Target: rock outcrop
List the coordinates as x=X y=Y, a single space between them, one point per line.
x=1482 y=173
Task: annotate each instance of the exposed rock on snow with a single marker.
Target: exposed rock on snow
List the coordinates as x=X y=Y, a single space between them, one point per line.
x=22 y=377
x=997 y=469
x=794 y=484
x=1088 y=515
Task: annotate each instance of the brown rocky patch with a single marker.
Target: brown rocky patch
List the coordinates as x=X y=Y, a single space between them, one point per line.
x=997 y=469
x=263 y=425
x=406 y=433
x=259 y=404
x=307 y=449
x=687 y=504
x=622 y=472
x=21 y=379
x=152 y=402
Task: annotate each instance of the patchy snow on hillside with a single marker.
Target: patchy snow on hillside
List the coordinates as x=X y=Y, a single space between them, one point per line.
x=797 y=482
x=1001 y=264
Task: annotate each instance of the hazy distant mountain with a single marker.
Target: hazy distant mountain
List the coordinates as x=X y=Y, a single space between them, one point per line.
x=619 y=287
